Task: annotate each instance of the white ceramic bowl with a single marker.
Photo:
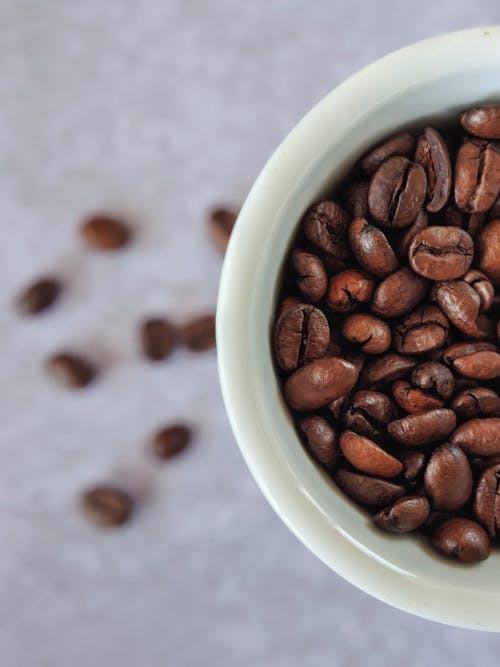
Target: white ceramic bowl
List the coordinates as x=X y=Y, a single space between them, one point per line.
x=422 y=82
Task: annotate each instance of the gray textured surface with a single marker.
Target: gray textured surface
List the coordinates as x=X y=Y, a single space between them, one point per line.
x=160 y=109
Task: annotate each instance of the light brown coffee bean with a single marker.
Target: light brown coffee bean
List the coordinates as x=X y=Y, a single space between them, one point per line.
x=462 y=539
x=104 y=232
x=441 y=253
x=325 y=225
x=432 y=154
x=448 y=478
x=171 y=440
x=489 y=251
x=366 y=456
x=70 y=370
x=107 y=506
x=301 y=334
x=221 y=221
x=477 y=175
x=483 y=122
x=311 y=274
x=479 y=366
x=478 y=437
x=476 y=402
x=368 y=490
x=406 y=514
x=371 y=248
x=399 y=294
x=387 y=368
x=369 y=332
x=400 y=144
x=424 y=428
x=319 y=383
x=157 y=338
x=321 y=439
x=414 y=400
x=38 y=296
x=487 y=500
x=199 y=333
x=423 y=330
x=348 y=290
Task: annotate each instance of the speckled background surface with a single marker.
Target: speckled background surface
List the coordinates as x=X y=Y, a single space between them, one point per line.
x=158 y=110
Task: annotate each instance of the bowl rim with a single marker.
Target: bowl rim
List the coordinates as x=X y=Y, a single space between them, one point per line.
x=477 y=609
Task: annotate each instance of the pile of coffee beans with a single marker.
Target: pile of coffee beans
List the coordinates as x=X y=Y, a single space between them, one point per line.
x=387 y=333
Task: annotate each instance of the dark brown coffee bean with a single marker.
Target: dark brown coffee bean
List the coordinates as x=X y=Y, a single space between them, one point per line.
x=481 y=284
x=104 y=232
x=38 y=296
x=70 y=370
x=311 y=274
x=460 y=303
x=369 y=332
x=368 y=412
x=489 y=251
x=199 y=334
x=479 y=366
x=406 y=514
x=423 y=429
x=357 y=199
x=448 y=478
x=421 y=331
x=107 y=506
x=398 y=294
x=301 y=334
x=483 y=122
x=477 y=175
x=476 y=402
x=441 y=253
x=319 y=383
x=171 y=440
x=487 y=500
x=386 y=368
x=368 y=490
x=433 y=376
x=347 y=290
x=453 y=217
x=413 y=461
x=325 y=225
x=366 y=456
x=462 y=539
x=157 y=338
x=433 y=155
x=288 y=302
x=220 y=224
x=400 y=144
x=321 y=439
x=414 y=400
x=371 y=248
x=420 y=222
x=337 y=406
x=458 y=350
x=397 y=192
x=478 y=437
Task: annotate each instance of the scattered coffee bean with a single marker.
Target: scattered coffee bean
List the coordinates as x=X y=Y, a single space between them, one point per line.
x=448 y=478
x=368 y=490
x=406 y=514
x=462 y=539
x=107 y=506
x=70 y=370
x=171 y=440
x=104 y=232
x=199 y=334
x=157 y=338
x=38 y=296
x=483 y=122
x=220 y=223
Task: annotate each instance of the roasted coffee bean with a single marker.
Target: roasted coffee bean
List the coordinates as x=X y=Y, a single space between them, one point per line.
x=357 y=199
x=337 y=406
x=311 y=274
x=494 y=211
x=448 y=478
x=387 y=368
x=301 y=334
x=368 y=412
x=413 y=461
x=479 y=366
x=478 y=437
x=348 y=290
x=432 y=154
x=104 y=232
x=489 y=251
x=366 y=456
x=487 y=500
x=441 y=253
x=368 y=490
x=38 y=296
x=483 y=122
x=371 y=248
x=422 y=429
x=220 y=224
x=319 y=383
x=369 y=332
x=199 y=334
x=400 y=144
x=406 y=514
x=477 y=175
x=407 y=236
x=398 y=294
x=458 y=350
x=171 y=440
x=397 y=192
x=288 y=302
x=325 y=225
x=421 y=331
x=107 y=506
x=460 y=303
x=462 y=539
x=321 y=439
x=476 y=402
x=157 y=338
x=414 y=400
x=481 y=284
x=70 y=370
x=433 y=376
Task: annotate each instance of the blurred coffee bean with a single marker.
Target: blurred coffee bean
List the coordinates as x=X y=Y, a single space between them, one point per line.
x=171 y=440
x=199 y=333
x=38 y=296
x=107 y=506
x=221 y=221
x=104 y=232
x=70 y=370
x=157 y=338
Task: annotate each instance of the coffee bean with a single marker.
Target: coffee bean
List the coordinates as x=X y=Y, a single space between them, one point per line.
x=477 y=175
x=368 y=490
x=407 y=236
x=432 y=154
x=397 y=192
x=321 y=439
x=476 y=402
x=347 y=290
x=387 y=368
x=489 y=251
x=171 y=440
x=366 y=456
x=199 y=334
x=70 y=370
x=448 y=478
x=433 y=376
x=441 y=253
x=400 y=144
x=370 y=333
x=462 y=539
x=371 y=248
x=413 y=461
x=421 y=331
x=487 y=500
x=157 y=338
x=481 y=284
x=220 y=224
x=337 y=406
x=311 y=274
x=104 y=232
x=319 y=383
x=480 y=365
x=422 y=429
x=478 y=437
x=460 y=303
x=483 y=122
x=325 y=225
x=301 y=334
x=368 y=412
x=458 y=350
x=107 y=506
x=38 y=296
x=357 y=199
x=398 y=294
x=414 y=400
x=406 y=514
